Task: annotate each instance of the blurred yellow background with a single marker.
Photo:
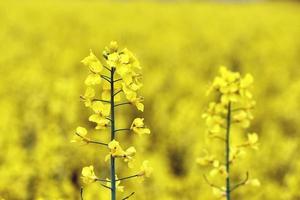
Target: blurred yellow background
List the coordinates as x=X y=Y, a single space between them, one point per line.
x=180 y=46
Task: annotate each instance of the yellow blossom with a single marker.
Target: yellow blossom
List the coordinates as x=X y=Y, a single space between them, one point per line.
x=207 y=160
x=253 y=140
x=93 y=63
x=128 y=156
x=145 y=170
x=220 y=194
x=221 y=169
x=101 y=108
x=115 y=150
x=88 y=96
x=113 y=60
x=132 y=97
x=80 y=136
x=112 y=48
x=101 y=122
x=88 y=175
x=93 y=79
x=131 y=59
x=232 y=105
x=242 y=117
x=138 y=126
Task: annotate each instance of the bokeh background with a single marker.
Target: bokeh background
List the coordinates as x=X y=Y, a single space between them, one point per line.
x=180 y=46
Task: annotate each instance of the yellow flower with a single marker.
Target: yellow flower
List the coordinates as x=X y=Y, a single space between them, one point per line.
x=93 y=79
x=131 y=96
x=229 y=76
x=118 y=186
x=88 y=175
x=93 y=63
x=117 y=151
x=101 y=108
x=102 y=122
x=138 y=126
x=231 y=86
x=113 y=60
x=207 y=160
x=130 y=59
x=88 y=96
x=220 y=194
x=132 y=81
x=80 y=136
x=145 y=170
x=253 y=140
x=242 y=117
x=221 y=169
x=128 y=156
x=113 y=47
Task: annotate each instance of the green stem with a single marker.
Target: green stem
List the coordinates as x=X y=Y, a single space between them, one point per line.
x=123 y=129
x=128 y=177
x=227 y=147
x=81 y=193
x=128 y=196
x=120 y=104
x=112 y=117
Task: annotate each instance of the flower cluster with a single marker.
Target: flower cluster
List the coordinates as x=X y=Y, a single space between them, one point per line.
x=122 y=82
x=230 y=87
x=232 y=106
x=116 y=151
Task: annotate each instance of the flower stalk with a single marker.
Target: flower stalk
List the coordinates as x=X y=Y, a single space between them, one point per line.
x=227 y=147
x=112 y=117
x=232 y=106
x=122 y=82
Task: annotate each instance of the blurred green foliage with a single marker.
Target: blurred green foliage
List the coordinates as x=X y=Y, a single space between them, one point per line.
x=180 y=47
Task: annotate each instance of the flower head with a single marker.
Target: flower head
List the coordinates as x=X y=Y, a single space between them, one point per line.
x=93 y=63
x=80 y=135
x=88 y=96
x=145 y=170
x=102 y=122
x=117 y=151
x=253 y=140
x=138 y=126
x=128 y=156
x=100 y=108
x=207 y=160
x=88 y=175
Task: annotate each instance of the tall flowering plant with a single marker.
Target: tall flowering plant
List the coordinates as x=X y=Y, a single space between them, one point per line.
x=119 y=79
x=232 y=107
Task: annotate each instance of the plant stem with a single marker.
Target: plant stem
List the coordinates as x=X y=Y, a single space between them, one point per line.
x=128 y=177
x=120 y=104
x=112 y=117
x=123 y=129
x=81 y=193
x=227 y=147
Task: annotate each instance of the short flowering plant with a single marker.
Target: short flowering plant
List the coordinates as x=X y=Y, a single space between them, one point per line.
x=232 y=107
x=119 y=78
